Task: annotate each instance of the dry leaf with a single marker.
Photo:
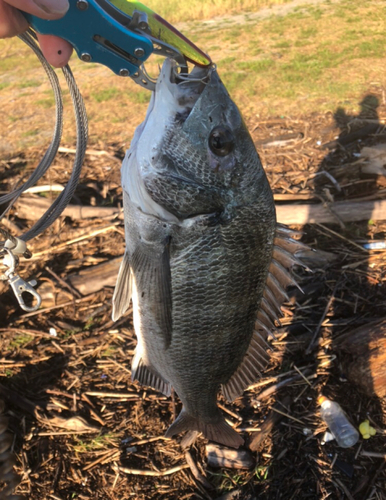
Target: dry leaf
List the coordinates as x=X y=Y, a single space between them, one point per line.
x=375 y=160
x=71 y=424
x=220 y=456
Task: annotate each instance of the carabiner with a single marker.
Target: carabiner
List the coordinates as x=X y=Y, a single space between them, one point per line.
x=18 y=285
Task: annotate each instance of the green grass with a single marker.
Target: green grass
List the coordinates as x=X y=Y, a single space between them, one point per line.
x=46 y=103
x=141 y=97
x=30 y=133
x=29 y=62
x=109 y=351
x=29 y=83
x=105 y=94
x=314 y=59
x=97 y=443
x=19 y=340
x=261 y=472
x=310 y=54
x=256 y=66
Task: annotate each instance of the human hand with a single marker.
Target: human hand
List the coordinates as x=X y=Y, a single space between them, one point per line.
x=12 y=22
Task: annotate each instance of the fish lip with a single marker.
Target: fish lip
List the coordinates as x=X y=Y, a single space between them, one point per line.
x=184 y=90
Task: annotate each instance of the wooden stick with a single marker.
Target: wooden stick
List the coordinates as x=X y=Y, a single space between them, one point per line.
x=44 y=188
x=327 y=308
x=274 y=388
x=373 y=454
x=266 y=428
x=344 y=488
x=348 y=211
x=149 y=440
x=196 y=473
x=287 y=415
x=75 y=240
x=110 y=455
x=34 y=208
x=113 y=394
x=342 y=237
x=65 y=433
x=63 y=283
x=93 y=278
x=302 y=375
x=45 y=309
x=288 y=213
x=153 y=473
x=91 y=152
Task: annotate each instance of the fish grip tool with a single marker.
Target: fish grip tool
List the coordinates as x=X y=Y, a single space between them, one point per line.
x=122 y=35
x=11 y=247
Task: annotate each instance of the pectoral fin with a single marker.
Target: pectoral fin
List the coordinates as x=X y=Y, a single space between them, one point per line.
x=151 y=270
x=122 y=292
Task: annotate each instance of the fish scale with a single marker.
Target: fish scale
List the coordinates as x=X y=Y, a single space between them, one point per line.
x=201 y=234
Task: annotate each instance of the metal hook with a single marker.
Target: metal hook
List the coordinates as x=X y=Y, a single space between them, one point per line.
x=19 y=286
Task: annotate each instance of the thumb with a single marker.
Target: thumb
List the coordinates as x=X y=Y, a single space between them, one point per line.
x=46 y=9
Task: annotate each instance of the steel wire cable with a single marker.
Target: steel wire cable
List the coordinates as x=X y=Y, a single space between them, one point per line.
x=46 y=161
x=65 y=196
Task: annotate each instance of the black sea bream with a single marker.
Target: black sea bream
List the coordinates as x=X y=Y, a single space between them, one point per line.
x=205 y=262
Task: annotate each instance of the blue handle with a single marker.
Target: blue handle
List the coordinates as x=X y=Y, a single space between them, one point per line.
x=97 y=36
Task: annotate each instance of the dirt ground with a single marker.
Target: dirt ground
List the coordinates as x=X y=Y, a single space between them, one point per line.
x=80 y=429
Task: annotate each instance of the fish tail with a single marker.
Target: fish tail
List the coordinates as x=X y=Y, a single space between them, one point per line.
x=220 y=431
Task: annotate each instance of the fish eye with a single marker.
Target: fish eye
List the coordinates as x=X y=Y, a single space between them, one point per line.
x=221 y=141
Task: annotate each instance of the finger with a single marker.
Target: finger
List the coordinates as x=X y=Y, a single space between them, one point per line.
x=56 y=50
x=12 y=22
x=46 y=9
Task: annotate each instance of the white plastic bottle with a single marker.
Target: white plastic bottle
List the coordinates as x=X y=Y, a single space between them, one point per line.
x=343 y=431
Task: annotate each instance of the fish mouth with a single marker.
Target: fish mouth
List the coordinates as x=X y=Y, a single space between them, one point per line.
x=183 y=89
x=197 y=78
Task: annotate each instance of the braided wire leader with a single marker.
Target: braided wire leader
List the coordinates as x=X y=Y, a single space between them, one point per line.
x=17 y=244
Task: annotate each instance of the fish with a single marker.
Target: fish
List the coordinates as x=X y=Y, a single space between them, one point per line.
x=206 y=264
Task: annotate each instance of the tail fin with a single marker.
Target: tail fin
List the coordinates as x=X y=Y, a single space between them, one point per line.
x=220 y=432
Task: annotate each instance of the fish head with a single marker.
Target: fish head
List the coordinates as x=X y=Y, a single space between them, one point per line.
x=194 y=153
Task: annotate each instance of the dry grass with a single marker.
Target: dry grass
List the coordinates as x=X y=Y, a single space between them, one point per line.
x=176 y=11
x=84 y=371
x=315 y=58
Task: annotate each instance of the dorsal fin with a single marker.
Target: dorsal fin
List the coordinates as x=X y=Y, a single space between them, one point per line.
x=256 y=358
x=270 y=311
x=254 y=362
x=287 y=259
x=282 y=275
